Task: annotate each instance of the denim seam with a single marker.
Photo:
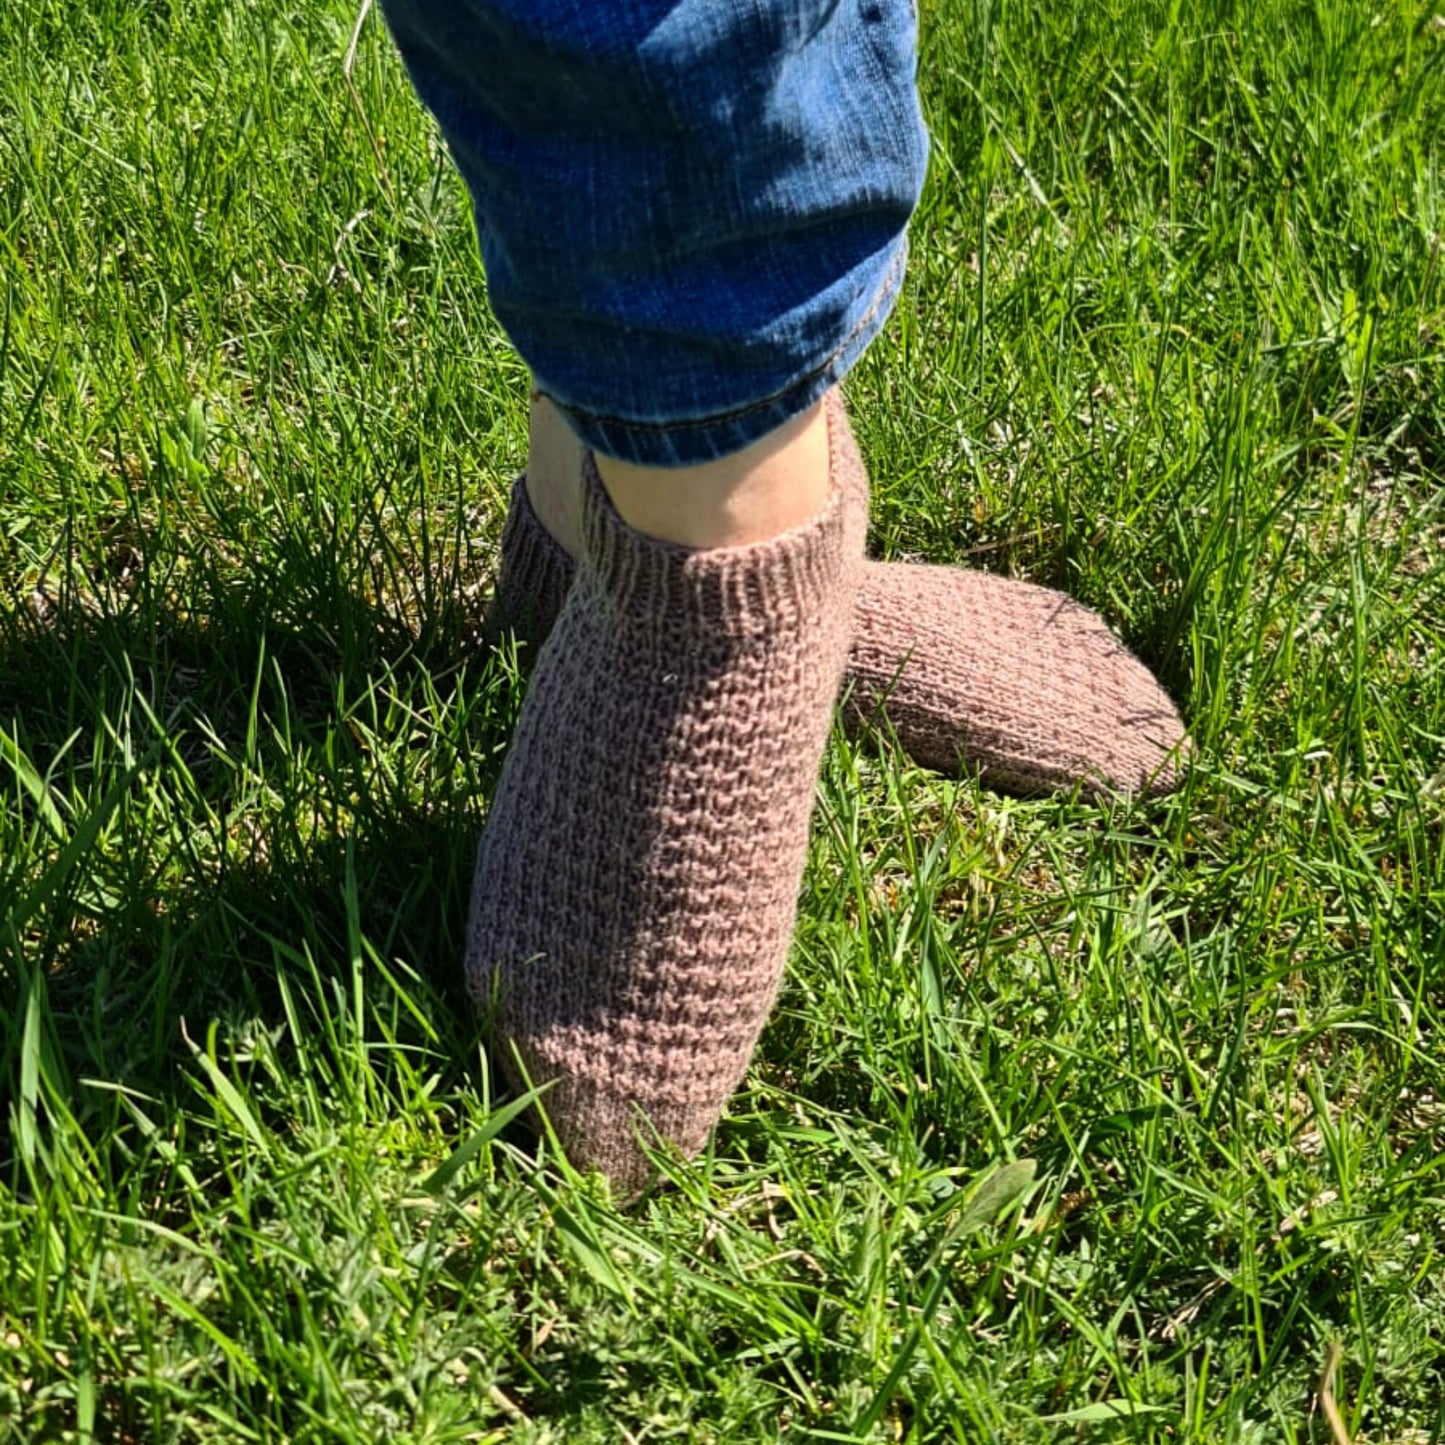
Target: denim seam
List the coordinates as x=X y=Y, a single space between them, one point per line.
x=885 y=294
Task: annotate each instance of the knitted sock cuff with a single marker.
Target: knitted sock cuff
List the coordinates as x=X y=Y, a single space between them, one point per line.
x=679 y=594
x=538 y=566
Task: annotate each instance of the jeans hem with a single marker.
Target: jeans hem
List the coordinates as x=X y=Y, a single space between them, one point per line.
x=691 y=441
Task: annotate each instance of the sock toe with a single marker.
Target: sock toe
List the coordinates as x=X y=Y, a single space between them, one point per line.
x=1018 y=681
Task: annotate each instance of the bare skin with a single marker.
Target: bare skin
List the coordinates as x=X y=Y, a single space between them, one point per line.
x=554 y=461
x=774 y=485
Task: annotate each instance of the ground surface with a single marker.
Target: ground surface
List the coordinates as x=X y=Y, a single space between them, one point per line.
x=1174 y=339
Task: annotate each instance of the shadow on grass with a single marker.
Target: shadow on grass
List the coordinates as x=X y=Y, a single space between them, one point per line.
x=284 y=777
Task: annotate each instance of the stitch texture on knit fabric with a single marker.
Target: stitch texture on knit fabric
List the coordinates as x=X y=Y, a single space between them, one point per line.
x=968 y=669
x=637 y=877
x=533 y=576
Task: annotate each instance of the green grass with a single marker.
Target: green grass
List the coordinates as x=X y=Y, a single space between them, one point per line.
x=1174 y=339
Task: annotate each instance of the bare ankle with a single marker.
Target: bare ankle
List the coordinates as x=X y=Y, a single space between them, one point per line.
x=778 y=483
x=554 y=470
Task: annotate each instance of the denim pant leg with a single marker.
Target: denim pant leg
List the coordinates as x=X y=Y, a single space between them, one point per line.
x=692 y=213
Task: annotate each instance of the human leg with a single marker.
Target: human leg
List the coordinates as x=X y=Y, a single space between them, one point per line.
x=693 y=213
x=741 y=175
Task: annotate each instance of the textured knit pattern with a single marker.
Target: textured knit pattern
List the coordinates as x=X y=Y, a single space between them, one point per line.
x=1020 y=682
x=969 y=670
x=533 y=578
x=637 y=879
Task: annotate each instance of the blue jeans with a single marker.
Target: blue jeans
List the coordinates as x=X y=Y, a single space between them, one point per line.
x=692 y=213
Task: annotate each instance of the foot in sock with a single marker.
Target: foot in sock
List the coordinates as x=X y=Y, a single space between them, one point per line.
x=968 y=669
x=637 y=877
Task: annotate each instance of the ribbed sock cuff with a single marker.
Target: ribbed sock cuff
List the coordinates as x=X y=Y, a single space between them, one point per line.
x=681 y=595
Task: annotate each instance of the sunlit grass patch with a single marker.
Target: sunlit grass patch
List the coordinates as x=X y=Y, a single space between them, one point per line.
x=1074 y=1120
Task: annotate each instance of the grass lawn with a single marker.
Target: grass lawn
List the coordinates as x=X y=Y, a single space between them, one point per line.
x=1074 y=1122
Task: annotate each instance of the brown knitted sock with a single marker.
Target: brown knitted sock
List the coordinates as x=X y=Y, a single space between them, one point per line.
x=637 y=878
x=533 y=578
x=1020 y=682
x=968 y=669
